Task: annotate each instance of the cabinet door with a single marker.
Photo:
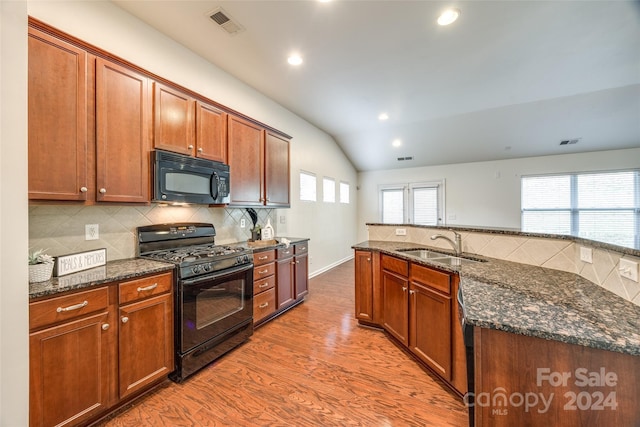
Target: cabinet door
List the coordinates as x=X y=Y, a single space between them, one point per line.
x=364 y=286
x=57 y=115
x=285 y=282
x=123 y=118
x=276 y=170
x=211 y=133
x=301 y=275
x=245 y=162
x=146 y=343
x=69 y=371
x=430 y=328
x=174 y=120
x=396 y=306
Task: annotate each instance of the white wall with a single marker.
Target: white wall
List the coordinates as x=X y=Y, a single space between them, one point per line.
x=332 y=228
x=484 y=193
x=14 y=322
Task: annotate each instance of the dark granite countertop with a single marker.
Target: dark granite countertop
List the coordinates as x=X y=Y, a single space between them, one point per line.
x=280 y=244
x=113 y=271
x=536 y=301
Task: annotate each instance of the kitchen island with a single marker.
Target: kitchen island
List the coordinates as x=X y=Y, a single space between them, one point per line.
x=541 y=332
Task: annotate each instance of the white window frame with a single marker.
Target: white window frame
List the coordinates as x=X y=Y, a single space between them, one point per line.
x=340 y=186
x=407 y=208
x=331 y=184
x=315 y=192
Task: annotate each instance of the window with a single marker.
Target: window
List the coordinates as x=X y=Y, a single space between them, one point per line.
x=328 y=190
x=344 y=192
x=307 y=186
x=597 y=206
x=414 y=203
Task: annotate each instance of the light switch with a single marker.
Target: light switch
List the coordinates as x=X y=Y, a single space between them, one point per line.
x=91 y=232
x=628 y=269
x=401 y=231
x=243 y=223
x=586 y=255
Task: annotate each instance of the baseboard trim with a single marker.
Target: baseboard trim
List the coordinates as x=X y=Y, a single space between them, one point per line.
x=330 y=266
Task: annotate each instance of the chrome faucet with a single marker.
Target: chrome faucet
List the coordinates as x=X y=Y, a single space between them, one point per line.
x=457 y=245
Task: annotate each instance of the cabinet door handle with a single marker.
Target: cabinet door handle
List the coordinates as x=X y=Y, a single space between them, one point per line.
x=412 y=292
x=105 y=326
x=190 y=147
x=404 y=289
x=73 y=307
x=125 y=319
x=297 y=262
x=368 y=259
x=262 y=258
x=103 y=190
x=263 y=271
x=200 y=150
x=148 y=288
x=264 y=285
x=265 y=305
x=83 y=189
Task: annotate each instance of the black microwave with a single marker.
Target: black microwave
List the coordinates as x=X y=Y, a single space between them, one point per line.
x=183 y=179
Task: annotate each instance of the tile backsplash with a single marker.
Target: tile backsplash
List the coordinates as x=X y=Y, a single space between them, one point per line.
x=60 y=229
x=545 y=252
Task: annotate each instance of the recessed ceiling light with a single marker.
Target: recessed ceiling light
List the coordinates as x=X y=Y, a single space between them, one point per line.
x=324 y=1
x=294 y=59
x=396 y=143
x=449 y=16
x=383 y=116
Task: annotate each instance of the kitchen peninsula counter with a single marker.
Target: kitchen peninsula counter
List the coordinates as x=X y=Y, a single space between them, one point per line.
x=535 y=301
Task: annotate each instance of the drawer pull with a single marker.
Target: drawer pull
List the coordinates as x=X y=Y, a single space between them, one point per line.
x=264 y=285
x=147 y=288
x=264 y=305
x=125 y=319
x=263 y=271
x=73 y=307
x=302 y=248
x=105 y=326
x=262 y=258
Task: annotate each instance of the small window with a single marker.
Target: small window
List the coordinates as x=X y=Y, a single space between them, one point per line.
x=307 y=186
x=328 y=190
x=344 y=192
x=392 y=205
x=413 y=203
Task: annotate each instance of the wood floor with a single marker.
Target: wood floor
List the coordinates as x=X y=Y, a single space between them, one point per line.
x=312 y=366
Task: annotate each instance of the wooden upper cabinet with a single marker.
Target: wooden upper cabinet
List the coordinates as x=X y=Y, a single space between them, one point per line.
x=57 y=114
x=174 y=118
x=211 y=132
x=245 y=145
x=276 y=170
x=123 y=116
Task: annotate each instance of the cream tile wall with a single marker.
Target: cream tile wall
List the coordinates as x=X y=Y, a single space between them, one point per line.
x=61 y=229
x=551 y=253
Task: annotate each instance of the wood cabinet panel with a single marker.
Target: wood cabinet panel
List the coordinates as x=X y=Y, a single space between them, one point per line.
x=364 y=286
x=276 y=170
x=285 y=280
x=68 y=307
x=264 y=304
x=264 y=257
x=433 y=278
x=145 y=343
x=211 y=132
x=245 y=154
x=174 y=118
x=134 y=290
x=57 y=117
x=262 y=285
x=395 y=265
x=396 y=305
x=301 y=275
x=70 y=371
x=263 y=271
x=123 y=117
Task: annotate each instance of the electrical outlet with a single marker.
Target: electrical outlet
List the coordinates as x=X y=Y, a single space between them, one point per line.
x=401 y=231
x=243 y=223
x=282 y=219
x=628 y=269
x=91 y=232
x=586 y=255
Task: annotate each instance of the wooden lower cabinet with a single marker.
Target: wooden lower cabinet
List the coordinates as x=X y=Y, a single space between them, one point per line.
x=396 y=308
x=368 y=287
x=285 y=282
x=85 y=359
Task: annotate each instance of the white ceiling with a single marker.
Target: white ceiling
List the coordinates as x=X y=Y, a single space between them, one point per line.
x=509 y=79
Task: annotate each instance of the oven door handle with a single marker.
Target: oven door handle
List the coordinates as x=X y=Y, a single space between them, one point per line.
x=216 y=275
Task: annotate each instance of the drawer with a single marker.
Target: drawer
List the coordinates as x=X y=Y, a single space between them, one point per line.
x=146 y=287
x=265 y=257
x=61 y=309
x=262 y=271
x=264 y=304
x=396 y=265
x=264 y=284
x=432 y=278
x=285 y=252
x=301 y=248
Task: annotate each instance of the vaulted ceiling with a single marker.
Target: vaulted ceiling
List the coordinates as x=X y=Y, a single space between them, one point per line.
x=508 y=79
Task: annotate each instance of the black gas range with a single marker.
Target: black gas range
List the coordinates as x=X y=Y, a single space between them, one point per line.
x=213 y=291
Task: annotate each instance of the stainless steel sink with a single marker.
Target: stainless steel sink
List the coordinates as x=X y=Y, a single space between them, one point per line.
x=438 y=257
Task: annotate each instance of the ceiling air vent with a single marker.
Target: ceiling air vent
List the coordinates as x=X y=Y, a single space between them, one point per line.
x=569 y=141
x=225 y=21
x=400 y=159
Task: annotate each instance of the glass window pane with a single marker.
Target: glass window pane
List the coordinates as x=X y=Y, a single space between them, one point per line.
x=328 y=190
x=552 y=222
x=425 y=206
x=546 y=192
x=344 y=192
x=606 y=190
x=307 y=187
x=615 y=227
x=393 y=206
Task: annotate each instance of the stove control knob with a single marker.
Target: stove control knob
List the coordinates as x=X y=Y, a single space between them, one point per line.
x=207 y=267
x=196 y=269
